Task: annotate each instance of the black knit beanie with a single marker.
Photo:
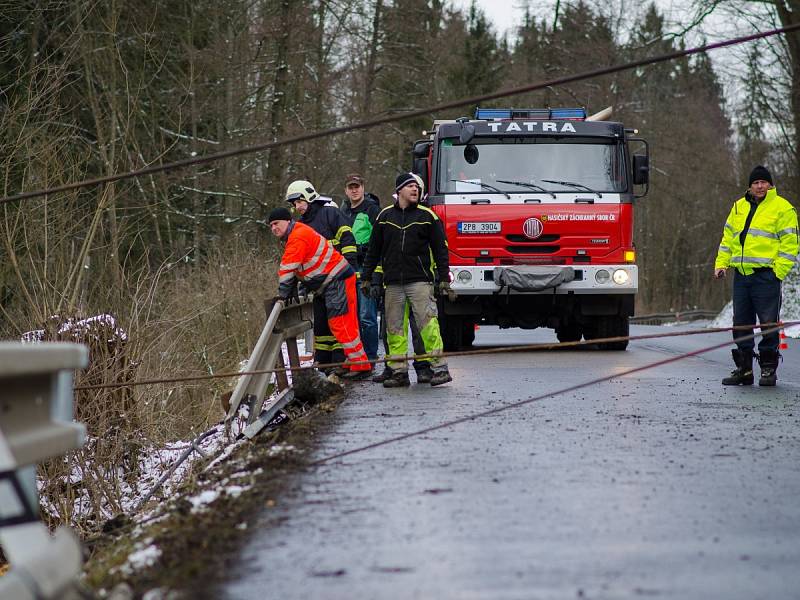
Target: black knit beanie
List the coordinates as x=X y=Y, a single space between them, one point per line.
x=403 y=180
x=760 y=173
x=279 y=214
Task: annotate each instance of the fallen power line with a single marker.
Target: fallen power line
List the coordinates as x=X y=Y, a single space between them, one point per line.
x=495 y=350
x=188 y=162
x=539 y=398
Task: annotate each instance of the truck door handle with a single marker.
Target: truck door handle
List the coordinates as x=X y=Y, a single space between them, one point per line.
x=584 y=200
x=532 y=201
x=480 y=201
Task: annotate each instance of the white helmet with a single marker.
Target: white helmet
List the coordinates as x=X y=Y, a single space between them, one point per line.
x=301 y=190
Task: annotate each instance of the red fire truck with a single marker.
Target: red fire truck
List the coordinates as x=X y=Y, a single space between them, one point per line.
x=537 y=206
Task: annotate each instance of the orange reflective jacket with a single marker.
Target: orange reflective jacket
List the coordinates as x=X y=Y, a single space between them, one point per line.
x=311 y=258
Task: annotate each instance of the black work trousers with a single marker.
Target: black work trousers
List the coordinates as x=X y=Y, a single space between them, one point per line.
x=756 y=296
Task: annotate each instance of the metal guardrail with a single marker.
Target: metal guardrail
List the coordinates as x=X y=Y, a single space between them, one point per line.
x=673 y=317
x=36 y=408
x=285 y=323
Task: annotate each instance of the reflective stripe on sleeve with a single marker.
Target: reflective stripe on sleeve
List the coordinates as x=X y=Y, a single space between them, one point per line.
x=724 y=249
x=787 y=256
x=788 y=231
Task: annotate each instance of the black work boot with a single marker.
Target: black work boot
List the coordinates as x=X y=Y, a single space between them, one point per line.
x=743 y=374
x=397 y=379
x=769 y=367
x=441 y=377
x=383 y=375
x=424 y=374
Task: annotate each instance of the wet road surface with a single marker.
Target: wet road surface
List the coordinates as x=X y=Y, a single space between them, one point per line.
x=660 y=484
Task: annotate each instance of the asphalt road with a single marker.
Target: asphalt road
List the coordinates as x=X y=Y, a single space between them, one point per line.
x=659 y=484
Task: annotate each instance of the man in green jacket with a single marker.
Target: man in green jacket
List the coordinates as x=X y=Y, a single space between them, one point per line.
x=760 y=241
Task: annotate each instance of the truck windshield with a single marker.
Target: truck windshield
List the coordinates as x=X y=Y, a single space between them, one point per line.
x=506 y=162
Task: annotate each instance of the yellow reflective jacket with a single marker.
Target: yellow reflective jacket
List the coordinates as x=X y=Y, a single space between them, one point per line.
x=771 y=239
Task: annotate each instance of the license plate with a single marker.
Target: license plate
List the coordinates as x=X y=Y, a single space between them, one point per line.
x=479 y=227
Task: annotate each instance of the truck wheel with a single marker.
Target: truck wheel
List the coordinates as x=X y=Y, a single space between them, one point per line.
x=569 y=333
x=452 y=329
x=467 y=334
x=604 y=327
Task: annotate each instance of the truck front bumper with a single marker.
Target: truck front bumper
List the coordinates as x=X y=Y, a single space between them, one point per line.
x=589 y=279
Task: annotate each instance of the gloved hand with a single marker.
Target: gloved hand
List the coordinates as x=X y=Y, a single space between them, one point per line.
x=375 y=291
x=365 y=287
x=444 y=288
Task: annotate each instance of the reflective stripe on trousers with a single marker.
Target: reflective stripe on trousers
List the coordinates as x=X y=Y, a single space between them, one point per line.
x=345 y=329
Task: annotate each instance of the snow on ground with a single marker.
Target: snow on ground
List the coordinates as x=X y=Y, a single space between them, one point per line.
x=156 y=462
x=790 y=310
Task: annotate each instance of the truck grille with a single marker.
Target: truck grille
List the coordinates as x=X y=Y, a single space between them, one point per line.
x=533 y=249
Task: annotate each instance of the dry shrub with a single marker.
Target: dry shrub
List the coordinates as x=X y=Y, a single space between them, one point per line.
x=183 y=320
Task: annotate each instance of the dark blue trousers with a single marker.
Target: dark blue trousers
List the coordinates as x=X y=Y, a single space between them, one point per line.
x=757 y=295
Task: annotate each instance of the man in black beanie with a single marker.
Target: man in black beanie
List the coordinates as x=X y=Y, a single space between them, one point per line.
x=759 y=241
x=408 y=242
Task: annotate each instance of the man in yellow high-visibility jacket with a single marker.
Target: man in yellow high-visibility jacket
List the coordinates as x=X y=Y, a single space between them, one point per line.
x=760 y=241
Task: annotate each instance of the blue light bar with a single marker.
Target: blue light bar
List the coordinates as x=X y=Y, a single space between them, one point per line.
x=571 y=114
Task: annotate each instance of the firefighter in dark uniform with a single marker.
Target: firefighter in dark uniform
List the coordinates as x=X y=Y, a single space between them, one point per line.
x=759 y=241
x=329 y=222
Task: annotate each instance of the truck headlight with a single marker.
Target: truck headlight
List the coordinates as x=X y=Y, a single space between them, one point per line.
x=464 y=277
x=602 y=276
x=621 y=277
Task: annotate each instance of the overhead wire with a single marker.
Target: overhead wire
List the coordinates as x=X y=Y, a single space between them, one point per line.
x=506 y=92
x=483 y=351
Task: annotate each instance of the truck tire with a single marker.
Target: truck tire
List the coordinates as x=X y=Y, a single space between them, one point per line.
x=467 y=334
x=452 y=329
x=569 y=333
x=605 y=327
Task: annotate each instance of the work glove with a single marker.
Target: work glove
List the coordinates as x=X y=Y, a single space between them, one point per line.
x=445 y=289
x=375 y=291
x=366 y=287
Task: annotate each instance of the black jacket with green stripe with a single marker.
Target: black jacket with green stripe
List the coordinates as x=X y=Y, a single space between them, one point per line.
x=329 y=222
x=409 y=244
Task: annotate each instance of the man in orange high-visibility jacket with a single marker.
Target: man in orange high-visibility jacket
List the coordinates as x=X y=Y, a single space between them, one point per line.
x=309 y=257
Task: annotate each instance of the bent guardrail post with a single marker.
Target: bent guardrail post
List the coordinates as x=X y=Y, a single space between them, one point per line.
x=284 y=324
x=36 y=424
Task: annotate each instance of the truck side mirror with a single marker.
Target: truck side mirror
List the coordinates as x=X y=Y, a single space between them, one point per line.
x=641 y=169
x=419 y=163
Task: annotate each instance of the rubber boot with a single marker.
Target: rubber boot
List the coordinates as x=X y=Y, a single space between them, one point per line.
x=769 y=367
x=743 y=374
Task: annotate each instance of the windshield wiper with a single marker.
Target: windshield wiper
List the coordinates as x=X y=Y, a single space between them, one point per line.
x=580 y=186
x=533 y=186
x=484 y=186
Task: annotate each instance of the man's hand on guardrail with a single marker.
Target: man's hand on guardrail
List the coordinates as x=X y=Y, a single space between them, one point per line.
x=719 y=273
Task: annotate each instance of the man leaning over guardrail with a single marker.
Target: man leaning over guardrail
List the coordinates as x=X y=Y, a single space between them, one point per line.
x=309 y=257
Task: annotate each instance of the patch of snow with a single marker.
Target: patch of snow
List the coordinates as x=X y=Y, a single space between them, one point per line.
x=200 y=500
x=280 y=449
x=790 y=308
x=145 y=555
